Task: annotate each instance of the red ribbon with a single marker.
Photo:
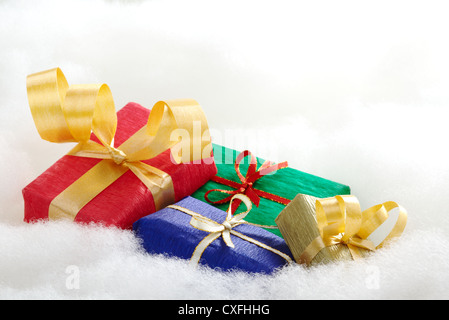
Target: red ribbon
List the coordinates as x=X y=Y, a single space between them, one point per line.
x=246 y=186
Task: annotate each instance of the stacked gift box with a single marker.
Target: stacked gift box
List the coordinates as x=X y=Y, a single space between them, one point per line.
x=214 y=206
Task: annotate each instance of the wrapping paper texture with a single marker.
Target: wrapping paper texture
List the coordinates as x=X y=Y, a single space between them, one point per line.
x=169 y=232
x=287 y=183
x=127 y=199
x=298 y=224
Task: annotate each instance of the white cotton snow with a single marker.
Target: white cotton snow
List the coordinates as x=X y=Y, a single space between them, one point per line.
x=353 y=92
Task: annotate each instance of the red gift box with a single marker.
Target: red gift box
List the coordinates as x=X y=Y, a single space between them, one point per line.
x=127 y=199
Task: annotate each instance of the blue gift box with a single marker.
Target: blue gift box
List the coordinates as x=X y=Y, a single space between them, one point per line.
x=168 y=231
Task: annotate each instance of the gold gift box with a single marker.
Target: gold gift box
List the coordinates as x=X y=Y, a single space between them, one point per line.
x=298 y=224
x=334 y=229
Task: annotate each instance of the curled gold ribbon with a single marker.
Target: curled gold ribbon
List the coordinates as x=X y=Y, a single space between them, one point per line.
x=224 y=229
x=64 y=113
x=341 y=221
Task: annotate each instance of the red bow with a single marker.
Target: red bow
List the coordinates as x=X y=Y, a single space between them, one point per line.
x=246 y=186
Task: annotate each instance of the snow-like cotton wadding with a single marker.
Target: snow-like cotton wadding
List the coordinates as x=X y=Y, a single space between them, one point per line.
x=352 y=92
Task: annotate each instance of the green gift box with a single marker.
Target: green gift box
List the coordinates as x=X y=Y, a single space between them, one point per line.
x=270 y=186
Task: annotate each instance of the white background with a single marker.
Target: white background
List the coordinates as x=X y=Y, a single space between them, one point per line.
x=353 y=91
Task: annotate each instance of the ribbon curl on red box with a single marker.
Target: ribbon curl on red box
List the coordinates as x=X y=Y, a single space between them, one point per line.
x=71 y=113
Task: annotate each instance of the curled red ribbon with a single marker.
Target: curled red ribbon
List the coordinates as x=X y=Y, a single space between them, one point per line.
x=246 y=185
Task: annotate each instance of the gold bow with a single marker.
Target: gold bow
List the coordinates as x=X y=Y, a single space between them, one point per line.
x=64 y=113
x=341 y=221
x=224 y=229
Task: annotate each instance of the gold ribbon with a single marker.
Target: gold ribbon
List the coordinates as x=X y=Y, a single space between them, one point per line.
x=64 y=113
x=341 y=221
x=224 y=229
